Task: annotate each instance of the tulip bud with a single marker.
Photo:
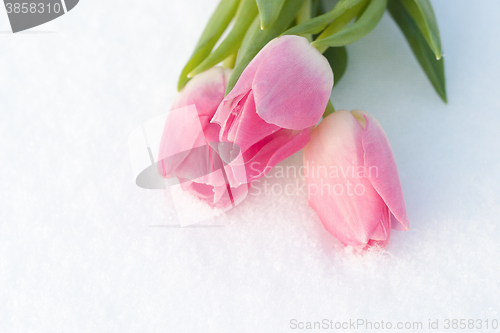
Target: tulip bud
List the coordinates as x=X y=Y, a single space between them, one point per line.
x=352 y=180
x=280 y=95
x=190 y=149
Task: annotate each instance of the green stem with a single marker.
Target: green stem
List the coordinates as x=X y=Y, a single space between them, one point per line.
x=305 y=15
x=230 y=61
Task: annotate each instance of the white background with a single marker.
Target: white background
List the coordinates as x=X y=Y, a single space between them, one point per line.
x=77 y=250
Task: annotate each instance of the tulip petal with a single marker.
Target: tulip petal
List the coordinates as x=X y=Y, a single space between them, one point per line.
x=214 y=196
x=249 y=128
x=186 y=125
x=242 y=87
x=226 y=116
x=338 y=190
x=292 y=84
x=264 y=155
x=385 y=179
x=205 y=90
x=182 y=132
x=380 y=236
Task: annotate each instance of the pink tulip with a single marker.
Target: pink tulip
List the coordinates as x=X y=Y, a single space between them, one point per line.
x=190 y=147
x=278 y=98
x=353 y=181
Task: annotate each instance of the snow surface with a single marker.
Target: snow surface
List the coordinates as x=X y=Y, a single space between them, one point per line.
x=83 y=249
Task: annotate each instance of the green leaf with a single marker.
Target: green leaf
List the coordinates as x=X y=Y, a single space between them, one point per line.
x=269 y=11
x=246 y=13
x=365 y=23
x=319 y=23
x=433 y=68
x=342 y=21
x=215 y=27
x=329 y=109
x=254 y=28
x=337 y=57
x=423 y=15
x=256 y=39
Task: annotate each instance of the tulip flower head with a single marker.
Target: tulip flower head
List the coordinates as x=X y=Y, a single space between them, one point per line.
x=280 y=95
x=352 y=180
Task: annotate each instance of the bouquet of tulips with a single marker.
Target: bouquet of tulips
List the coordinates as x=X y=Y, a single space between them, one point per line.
x=257 y=98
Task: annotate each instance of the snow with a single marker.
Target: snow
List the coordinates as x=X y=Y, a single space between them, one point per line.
x=83 y=249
